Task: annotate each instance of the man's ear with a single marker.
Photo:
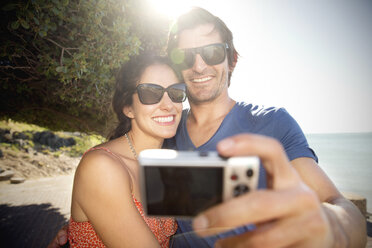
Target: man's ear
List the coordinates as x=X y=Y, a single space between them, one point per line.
x=231 y=69
x=127 y=111
x=235 y=60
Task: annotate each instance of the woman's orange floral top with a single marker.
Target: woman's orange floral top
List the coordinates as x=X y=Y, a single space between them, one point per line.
x=82 y=234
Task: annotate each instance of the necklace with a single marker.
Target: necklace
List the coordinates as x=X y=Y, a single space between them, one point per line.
x=131 y=146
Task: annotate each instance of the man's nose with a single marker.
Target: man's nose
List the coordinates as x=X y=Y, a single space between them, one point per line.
x=199 y=64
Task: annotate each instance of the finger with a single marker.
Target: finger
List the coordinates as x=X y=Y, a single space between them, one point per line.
x=54 y=243
x=62 y=235
x=269 y=150
x=252 y=208
x=62 y=238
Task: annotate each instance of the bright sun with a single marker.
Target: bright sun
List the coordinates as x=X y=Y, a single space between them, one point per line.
x=172 y=8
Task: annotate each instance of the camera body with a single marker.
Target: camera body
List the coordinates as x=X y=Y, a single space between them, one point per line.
x=184 y=183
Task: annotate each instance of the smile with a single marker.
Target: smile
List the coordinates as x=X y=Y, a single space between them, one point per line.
x=201 y=80
x=164 y=119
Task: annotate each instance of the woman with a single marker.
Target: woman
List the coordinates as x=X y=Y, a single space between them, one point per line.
x=106 y=205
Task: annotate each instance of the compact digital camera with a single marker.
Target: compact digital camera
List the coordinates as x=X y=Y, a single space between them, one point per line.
x=184 y=183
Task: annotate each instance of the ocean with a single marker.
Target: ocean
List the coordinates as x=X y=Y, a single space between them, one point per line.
x=347 y=160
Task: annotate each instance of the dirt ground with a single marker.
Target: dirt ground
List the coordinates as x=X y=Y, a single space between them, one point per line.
x=32 y=164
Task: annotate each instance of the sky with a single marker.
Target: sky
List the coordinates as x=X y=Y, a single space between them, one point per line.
x=312 y=57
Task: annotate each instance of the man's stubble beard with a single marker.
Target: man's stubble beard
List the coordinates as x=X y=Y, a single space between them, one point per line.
x=195 y=99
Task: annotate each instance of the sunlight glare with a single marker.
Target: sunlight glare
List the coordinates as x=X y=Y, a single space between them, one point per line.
x=172 y=9
x=168 y=8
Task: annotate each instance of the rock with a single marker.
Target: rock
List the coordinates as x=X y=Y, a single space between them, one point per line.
x=43 y=137
x=16 y=180
x=20 y=142
x=50 y=139
x=6 y=175
x=1 y=154
x=41 y=164
x=70 y=142
x=20 y=135
x=3 y=132
x=7 y=138
x=78 y=134
x=1 y=170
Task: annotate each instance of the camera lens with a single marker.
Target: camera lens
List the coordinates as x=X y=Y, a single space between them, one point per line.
x=240 y=189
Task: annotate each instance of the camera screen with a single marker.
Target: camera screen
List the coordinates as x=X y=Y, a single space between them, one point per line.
x=182 y=191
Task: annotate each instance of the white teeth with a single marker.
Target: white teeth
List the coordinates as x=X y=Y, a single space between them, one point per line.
x=200 y=80
x=164 y=119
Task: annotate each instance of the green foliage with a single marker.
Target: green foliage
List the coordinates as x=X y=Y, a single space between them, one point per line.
x=13 y=147
x=58 y=58
x=83 y=141
x=20 y=127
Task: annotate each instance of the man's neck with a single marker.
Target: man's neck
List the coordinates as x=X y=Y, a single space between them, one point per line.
x=205 y=119
x=205 y=112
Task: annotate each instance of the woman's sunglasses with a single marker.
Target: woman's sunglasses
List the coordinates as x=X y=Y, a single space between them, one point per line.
x=212 y=54
x=153 y=93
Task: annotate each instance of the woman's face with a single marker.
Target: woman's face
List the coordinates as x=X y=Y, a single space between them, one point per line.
x=161 y=119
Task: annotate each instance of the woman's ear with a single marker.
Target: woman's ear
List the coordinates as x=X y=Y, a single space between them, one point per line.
x=128 y=111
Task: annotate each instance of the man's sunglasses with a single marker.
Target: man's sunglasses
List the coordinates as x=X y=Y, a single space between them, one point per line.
x=212 y=54
x=153 y=93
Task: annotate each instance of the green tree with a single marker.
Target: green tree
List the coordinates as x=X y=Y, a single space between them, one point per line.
x=58 y=58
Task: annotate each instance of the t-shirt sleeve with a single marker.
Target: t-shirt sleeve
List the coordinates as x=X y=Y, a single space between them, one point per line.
x=289 y=133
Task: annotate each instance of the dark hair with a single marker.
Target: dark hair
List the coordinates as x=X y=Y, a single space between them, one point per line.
x=127 y=79
x=197 y=16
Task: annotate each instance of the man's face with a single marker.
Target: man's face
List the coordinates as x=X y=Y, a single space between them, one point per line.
x=204 y=82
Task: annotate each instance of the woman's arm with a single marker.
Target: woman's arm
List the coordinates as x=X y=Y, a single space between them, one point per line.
x=102 y=194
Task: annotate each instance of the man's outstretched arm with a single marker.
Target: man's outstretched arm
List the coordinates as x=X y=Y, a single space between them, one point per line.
x=292 y=212
x=348 y=224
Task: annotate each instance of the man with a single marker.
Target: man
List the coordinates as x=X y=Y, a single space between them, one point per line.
x=201 y=46
x=301 y=207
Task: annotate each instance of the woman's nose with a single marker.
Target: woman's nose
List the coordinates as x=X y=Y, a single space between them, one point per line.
x=166 y=102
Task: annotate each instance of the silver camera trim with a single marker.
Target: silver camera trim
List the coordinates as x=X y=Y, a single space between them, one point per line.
x=236 y=167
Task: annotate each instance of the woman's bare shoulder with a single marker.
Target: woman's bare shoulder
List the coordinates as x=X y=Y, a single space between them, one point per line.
x=100 y=164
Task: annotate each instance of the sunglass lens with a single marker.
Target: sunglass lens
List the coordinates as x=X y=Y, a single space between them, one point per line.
x=177 y=93
x=189 y=58
x=213 y=54
x=150 y=93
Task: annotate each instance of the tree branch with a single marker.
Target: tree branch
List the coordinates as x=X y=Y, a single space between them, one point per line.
x=66 y=48
x=61 y=58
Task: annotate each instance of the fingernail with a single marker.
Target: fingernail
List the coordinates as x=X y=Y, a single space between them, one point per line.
x=201 y=222
x=226 y=144
x=62 y=239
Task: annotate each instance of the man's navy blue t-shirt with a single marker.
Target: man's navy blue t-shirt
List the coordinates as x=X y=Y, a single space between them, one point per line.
x=243 y=118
